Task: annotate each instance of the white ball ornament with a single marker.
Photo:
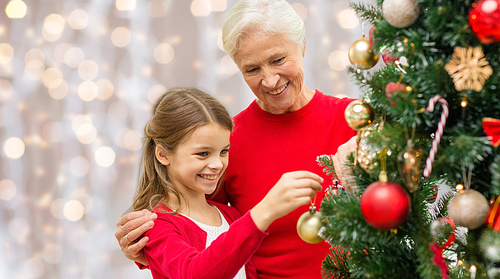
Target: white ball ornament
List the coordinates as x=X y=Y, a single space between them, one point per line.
x=400 y=13
x=469 y=209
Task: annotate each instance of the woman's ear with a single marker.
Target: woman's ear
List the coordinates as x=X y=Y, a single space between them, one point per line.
x=161 y=155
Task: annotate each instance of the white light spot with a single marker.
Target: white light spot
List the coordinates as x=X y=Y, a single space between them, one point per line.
x=105 y=156
x=73 y=210
x=13 y=148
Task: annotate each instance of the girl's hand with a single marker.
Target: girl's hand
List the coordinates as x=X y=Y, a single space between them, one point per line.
x=129 y=230
x=294 y=189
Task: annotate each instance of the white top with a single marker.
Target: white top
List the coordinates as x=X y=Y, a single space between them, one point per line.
x=214 y=232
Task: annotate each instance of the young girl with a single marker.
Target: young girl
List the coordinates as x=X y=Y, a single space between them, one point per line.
x=186 y=151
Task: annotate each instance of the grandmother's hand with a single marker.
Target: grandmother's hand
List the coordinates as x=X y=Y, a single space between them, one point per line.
x=129 y=231
x=339 y=160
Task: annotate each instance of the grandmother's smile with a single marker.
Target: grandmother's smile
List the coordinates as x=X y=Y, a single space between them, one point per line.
x=279 y=90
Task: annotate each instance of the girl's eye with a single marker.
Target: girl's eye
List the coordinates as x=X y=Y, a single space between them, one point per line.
x=224 y=152
x=202 y=154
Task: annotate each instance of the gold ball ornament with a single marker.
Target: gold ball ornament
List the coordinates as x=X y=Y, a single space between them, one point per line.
x=367 y=152
x=409 y=161
x=469 y=208
x=361 y=54
x=359 y=114
x=400 y=13
x=309 y=225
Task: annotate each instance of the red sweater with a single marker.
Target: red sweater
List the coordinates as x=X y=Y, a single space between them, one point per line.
x=263 y=147
x=177 y=246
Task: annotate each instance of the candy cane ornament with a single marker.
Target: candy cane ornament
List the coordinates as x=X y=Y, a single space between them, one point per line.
x=439 y=132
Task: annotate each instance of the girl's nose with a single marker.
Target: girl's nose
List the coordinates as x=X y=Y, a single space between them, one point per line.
x=216 y=163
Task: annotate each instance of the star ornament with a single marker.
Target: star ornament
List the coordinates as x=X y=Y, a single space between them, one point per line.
x=469 y=68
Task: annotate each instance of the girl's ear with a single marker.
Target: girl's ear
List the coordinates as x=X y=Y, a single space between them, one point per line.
x=161 y=155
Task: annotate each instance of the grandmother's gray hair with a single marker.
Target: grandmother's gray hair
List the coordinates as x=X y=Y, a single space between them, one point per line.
x=274 y=17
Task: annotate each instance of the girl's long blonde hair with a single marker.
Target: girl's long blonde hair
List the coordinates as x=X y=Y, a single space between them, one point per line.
x=176 y=114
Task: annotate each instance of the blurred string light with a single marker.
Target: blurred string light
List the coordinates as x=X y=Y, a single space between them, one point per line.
x=73 y=210
x=205 y=7
x=6 y=69
x=125 y=5
x=218 y=5
x=228 y=66
x=58 y=89
x=88 y=70
x=53 y=27
x=85 y=132
x=78 y=19
x=34 y=69
x=50 y=75
x=105 y=156
x=347 y=19
x=301 y=10
x=73 y=57
x=164 y=53
x=13 y=148
x=201 y=7
x=79 y=166
x=16 y=9
x=155 y=92
x=56 y=208
x=104 y=89
x=121 y=36
x=338 y=60
x=60 y=52
x=88 y=91
x=52 y=253
x=7 y=190
x=157 y=8
x=5 y=90
x=6 y=53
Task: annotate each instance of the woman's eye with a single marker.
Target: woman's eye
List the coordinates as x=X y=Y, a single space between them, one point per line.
x=202 y=154
x=224 y=152
x=279 y=60
x=253 y=70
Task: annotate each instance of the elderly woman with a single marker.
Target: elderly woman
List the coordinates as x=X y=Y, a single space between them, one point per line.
x=283 y=130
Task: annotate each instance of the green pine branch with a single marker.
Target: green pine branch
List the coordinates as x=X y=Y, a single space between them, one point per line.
x=464 y=152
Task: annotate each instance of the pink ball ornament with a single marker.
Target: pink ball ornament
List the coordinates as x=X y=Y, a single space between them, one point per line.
x=400 y=13
x=385 y=205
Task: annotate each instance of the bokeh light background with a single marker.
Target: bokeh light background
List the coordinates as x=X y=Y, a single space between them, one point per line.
x=77 y=84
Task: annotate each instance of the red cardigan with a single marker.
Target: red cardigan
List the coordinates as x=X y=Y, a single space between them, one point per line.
x=176 y=248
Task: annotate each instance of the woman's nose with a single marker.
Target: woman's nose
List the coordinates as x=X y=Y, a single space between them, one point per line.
x=270 y=79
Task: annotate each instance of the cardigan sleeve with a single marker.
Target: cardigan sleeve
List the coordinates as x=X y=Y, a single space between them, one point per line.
x=175 y=252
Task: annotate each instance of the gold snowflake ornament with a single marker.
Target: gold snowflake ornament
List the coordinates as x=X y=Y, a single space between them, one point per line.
x=468 y=68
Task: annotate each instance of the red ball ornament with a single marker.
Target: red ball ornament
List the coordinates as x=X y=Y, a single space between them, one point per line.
x=385 y=205
x=484 y=19
x=394 y=88
x=387 y=55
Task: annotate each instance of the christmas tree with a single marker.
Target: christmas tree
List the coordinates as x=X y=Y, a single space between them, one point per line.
x=429 y=117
